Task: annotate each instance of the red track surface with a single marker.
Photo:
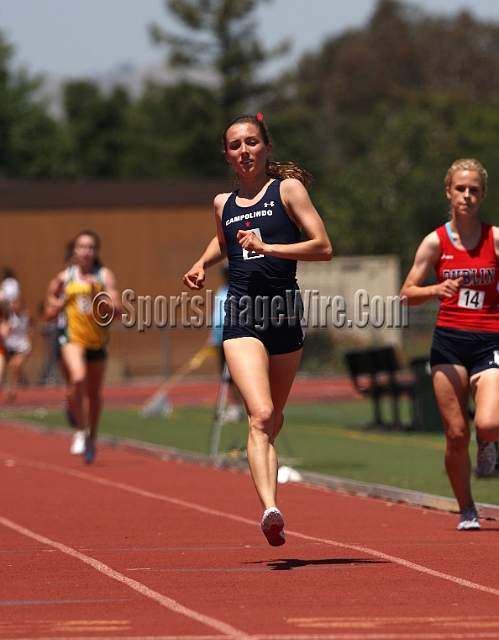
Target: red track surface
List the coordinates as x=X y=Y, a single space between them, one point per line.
x=137 y=547
x=198 y=392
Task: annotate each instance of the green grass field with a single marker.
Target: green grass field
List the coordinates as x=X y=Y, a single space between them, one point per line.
x=329 y=439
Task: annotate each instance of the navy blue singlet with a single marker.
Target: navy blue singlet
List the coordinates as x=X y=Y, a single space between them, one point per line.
x=249 y=273
x=257 y=282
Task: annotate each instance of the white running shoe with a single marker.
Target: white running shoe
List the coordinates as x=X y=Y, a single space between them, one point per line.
x=273 y=527
x=232 y=413
x=486 y=458
x=78 y=443
x=469 y=520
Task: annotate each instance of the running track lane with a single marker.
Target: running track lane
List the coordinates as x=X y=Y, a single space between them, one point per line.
x=205 y=393
x=136 y=547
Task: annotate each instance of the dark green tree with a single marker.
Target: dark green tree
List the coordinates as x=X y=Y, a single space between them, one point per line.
x=225 y=44
x=174 y=132
x=31 y=143
x=96 y=126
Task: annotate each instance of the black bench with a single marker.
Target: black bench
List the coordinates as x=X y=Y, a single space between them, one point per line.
x=376 y=373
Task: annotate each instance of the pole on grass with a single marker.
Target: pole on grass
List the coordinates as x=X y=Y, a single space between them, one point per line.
x=219 y=414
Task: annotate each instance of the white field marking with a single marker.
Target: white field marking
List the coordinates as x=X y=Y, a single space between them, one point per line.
x=164 y=601
x=196 y=507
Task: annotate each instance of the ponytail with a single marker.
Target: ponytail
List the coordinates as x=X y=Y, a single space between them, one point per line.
x=283 y=170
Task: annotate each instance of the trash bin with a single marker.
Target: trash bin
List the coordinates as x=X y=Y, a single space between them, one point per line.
x=427 y=416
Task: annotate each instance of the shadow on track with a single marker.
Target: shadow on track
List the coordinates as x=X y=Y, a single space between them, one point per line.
x=287 y=564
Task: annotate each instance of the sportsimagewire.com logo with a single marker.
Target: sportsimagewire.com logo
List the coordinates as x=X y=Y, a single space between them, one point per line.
x=310 y=309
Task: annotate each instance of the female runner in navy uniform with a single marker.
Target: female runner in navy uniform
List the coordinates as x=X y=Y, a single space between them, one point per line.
x=258 y=229
x=465 y=349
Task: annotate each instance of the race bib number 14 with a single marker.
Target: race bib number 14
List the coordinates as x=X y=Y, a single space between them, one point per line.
x=471 y=299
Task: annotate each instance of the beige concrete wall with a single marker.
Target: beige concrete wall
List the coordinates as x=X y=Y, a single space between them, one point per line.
x=148 y=249
x=347 y=277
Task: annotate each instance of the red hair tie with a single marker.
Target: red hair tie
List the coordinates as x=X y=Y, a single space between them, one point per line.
x=259 y=116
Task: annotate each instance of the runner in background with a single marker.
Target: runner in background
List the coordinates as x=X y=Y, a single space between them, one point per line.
x=17 y=344
x=4 y=327
x=465 y=351
x=76 y=291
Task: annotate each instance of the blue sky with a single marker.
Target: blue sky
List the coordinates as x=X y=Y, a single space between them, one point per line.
x=85 y=37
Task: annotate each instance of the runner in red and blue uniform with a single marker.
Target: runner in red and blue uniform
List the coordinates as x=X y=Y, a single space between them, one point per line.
x=465 y=349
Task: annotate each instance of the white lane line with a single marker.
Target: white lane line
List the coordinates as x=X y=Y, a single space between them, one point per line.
x=486 y=635
x=196 y=507
x=401 y=561
x=164 y=601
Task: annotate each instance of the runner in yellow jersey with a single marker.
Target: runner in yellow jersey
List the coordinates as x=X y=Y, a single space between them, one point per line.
x=80 y=326
x=84 y=340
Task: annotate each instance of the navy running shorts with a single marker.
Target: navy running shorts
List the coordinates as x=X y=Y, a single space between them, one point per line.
x=474 y=350
x=276 y=339
x=277 y=326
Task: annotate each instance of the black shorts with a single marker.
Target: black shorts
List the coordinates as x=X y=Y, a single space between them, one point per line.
x=474 y=350
x=276 y=339
x=92 y=355
x=273 y=317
